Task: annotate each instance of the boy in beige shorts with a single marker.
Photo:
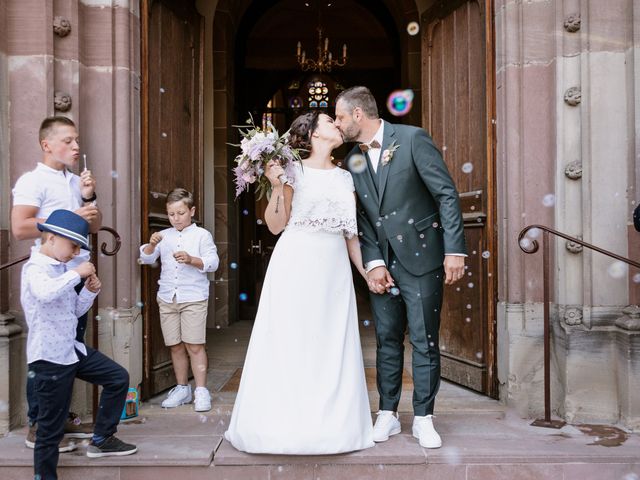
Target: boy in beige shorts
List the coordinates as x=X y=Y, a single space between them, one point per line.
x=187 y=253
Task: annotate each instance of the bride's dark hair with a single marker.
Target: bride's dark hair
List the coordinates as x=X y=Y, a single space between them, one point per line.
x=301 y=130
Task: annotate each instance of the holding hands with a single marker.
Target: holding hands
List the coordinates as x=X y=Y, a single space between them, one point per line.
x=93 y=283
x=379 y=280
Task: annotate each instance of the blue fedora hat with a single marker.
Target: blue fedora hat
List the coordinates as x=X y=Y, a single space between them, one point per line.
x=69 y=225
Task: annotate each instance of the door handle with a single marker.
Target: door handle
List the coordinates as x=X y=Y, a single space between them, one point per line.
x=256 y=248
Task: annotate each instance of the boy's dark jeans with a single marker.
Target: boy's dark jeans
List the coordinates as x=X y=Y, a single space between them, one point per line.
x=53 y=384
x=32 y=403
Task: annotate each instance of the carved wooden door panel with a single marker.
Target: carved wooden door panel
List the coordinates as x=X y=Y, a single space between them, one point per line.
x=457 y=94
x=172 y=147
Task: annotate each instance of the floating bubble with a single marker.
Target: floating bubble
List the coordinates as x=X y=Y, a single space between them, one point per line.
x=161 y=90
x=457 y=289
x=470 y=285
x=245 y=212
x=399 y=237
x=366 y=323
x=400 y=102
x=424 y=245
x=395 y=291
x=636 y=278
x=617 y=269
x=422 y=235
x=140 y=262
x=468 y=306
x=467 y=167
x=417 y=254
x=431 y=344
x=155 y=195
x=139 y=304
x=217 y=327
x=233 y=265
x=357 y=163
x=474 y=252
x=549 y=200
x=98 y=318
x=4 y=406
x=243 y=297
x=378 y=224
x=526 y=243
x=479 y=355
x=410 y=221
x=486 y=254
x=164 y=134
x=235 y=340
x=114 y=174
x=259 y=222
x=534 y=233
x=31 y=374
x=202 y=418
x=468 y=319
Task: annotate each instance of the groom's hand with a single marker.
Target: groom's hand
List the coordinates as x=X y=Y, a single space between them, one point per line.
x=379 y=280
x=453 y=268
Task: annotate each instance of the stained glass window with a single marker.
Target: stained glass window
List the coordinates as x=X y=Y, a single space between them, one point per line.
x=267 y=117
x=318 y=94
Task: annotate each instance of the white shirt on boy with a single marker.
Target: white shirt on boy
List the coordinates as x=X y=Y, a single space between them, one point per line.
x=184 y=282
x=50 y=189
x=52 y=307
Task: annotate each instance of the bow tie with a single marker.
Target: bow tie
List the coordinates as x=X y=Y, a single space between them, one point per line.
x=364 y=147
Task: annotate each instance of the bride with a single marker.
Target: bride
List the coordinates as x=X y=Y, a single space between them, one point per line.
x=303 y=388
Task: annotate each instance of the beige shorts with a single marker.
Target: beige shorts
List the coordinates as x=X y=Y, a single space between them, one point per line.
x=183 y=322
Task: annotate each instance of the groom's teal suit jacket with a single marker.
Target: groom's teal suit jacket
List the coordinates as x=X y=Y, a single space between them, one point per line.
x=410 y=204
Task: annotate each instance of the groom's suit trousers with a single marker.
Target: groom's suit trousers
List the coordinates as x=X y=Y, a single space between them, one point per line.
x=419 y=304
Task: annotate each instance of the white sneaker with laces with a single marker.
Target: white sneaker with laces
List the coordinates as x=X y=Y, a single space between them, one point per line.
x=202 y=402
x=387 y=424
x=425 y=432
x=178 y=395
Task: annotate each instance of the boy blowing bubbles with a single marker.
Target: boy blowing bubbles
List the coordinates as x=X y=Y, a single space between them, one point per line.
x=187 y=253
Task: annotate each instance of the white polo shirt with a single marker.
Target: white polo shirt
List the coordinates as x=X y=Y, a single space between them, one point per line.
x=50 y=189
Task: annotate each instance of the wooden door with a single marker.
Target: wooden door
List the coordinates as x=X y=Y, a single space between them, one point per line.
x=457 y=111
x=171 y=147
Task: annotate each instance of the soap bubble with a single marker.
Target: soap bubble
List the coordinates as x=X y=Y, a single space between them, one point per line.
x=31 y=374
x=114 y=174
x=410 y=221
x=357 y=163
x=217 y=327
x=467 y=167
x=98 y=318
x=468 y=306
x=243 y=297
x=617 y=269
x=259 y=222
x=233 y=265
x=636 y=278
x=534 y=233
x=202 y=418
x=470 y=285
x=245 y=212
x=366 y=323
x=400 y=102
x=486 y=254
x=549 y=200
x=526 y=243
x=395 y=291
x=413 y=28
x=139 y=304
x=468 y=319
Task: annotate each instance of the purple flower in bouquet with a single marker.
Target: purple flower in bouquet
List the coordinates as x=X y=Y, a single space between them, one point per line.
x=259 y=146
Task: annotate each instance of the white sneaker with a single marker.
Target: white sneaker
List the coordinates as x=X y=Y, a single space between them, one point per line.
x=202 y=402
x=424 y=431
x=387 y=424
x=178 y=395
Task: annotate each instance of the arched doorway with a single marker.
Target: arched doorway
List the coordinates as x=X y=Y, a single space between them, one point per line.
x=249 y=62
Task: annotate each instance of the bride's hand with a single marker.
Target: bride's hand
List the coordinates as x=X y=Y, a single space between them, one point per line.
x=272 y=171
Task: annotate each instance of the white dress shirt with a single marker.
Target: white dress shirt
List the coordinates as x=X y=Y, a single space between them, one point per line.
x=184 y=282
x=52 y=307
x=50 y=189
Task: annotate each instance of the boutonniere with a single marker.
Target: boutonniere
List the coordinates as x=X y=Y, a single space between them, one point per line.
x=387 y=154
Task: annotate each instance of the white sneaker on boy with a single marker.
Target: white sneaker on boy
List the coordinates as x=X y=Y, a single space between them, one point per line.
x=425 y=432
x=178 y=395
x=202 y=402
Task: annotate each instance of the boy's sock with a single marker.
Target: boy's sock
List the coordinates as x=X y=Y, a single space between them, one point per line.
x=98 y=439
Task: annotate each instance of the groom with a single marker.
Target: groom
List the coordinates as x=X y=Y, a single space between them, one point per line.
x=412 y=240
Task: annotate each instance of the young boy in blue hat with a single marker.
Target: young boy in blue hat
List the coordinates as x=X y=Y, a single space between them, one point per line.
x=52 y=307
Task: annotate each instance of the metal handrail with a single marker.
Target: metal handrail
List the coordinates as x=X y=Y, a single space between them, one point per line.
x=532 y=247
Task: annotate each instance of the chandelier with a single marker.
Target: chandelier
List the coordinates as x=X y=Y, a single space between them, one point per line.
x=325 y=61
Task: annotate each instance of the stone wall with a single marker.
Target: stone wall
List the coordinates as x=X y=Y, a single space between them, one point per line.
x=79 y=59
x=567 y=135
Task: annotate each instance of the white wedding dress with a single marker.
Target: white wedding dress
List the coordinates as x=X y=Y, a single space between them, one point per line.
x=303 y=387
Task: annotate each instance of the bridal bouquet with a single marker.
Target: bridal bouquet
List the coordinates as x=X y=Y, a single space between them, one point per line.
x=258 y=147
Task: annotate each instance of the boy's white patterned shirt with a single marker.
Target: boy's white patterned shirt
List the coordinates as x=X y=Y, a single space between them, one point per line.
x=52 y=307
x=184 y=282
